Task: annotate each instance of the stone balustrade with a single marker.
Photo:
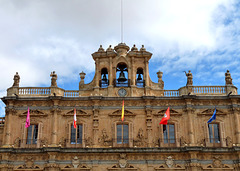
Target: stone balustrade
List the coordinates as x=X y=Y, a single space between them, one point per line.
x=171 y=93
x=187 y=90
x=34 y=91
x=208 y=90
x=71 y=93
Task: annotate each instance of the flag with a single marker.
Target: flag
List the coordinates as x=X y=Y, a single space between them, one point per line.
x=122 y=117
x=27 y=124
x=74 y=119
x=165 y=118
x=213 y=117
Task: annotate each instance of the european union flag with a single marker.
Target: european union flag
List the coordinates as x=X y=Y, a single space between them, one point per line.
x=213 y=117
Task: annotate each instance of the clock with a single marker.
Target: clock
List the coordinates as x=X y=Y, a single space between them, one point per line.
x=122 y=92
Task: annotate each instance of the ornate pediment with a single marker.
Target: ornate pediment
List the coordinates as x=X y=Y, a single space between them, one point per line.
x=79 y=112
x=33 y=113
x=172 y=112
x=210 y=112
x=119 y=113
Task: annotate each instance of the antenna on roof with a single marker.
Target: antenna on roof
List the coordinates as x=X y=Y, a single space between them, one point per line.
x=121 y=21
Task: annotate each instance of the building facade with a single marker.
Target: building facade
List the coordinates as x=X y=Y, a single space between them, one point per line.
x=101 y=141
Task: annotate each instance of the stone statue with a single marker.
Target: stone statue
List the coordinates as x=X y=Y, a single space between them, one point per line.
x=54 y=79
x=189 y=78
x=16 y=80
x=228 y=78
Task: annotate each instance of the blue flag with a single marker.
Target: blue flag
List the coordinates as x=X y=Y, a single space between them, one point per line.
x=213 y=117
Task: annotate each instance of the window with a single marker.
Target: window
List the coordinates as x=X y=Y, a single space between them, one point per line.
x=169 y=133
x=76 y=134
x=122 y=134
x=32 y=134
x=213 y=130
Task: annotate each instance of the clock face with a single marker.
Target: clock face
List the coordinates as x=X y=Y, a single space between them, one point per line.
x=122 y=92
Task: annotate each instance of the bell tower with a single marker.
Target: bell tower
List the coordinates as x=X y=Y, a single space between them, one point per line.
x=121 y=68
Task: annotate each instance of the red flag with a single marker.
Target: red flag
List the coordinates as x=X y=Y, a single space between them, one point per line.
x=27 y=124
x=75 y=119
x=122 y=117
x=165 y=118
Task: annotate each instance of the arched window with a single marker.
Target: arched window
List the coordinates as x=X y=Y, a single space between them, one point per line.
x=140 y=82
x=104 y=82
x=122 y=76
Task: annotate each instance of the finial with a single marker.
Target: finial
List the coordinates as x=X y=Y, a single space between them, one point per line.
x=110 y=48
x=134 y=48
x=53 y=79
x=101 y=49
x=142 y=48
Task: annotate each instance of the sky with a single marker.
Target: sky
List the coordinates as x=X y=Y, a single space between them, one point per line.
x=41 y=36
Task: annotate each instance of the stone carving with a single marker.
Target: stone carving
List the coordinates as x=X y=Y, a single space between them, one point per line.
x=29 y=163
x=134 y=48
x=229 y=142
x=17 y=142
x=183 y=141
x=160 y=81
x=123 y=161
x=16 y=79
x=54 y=79
x=89 y=141
x=139 y=141
x=110 y=49
x=217 y=163
x=82 y=76
x=189 y=78
x=75 y=162
x=169 y=162
x=228 y=78
x=62 y=142
x=43 y=142
x=104 y=139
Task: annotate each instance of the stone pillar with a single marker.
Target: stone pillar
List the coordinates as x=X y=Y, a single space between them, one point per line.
x=95 y=123
x=149 y=127
x=133 y=75
x=146 y=72
x=54 y=124
x=189 y=111
x=8 y=119
x=110 y=74
x=236 y=121
x=97 y=73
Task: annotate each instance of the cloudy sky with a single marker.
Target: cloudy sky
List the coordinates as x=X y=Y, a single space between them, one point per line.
x=40 y=36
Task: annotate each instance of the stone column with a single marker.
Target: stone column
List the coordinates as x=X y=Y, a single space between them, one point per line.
x=146 y=72
x=149 y=127
x=189 y=111
x=8 y=124
x=236 y=121
x=97 y=73
x=110 y=74
x=54 y=124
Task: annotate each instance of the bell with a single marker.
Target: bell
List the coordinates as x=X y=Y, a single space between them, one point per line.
x=104 y=78
x=121 y=77
x=139 y=78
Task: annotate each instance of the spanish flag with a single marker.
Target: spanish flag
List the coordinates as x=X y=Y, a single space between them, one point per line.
x=75 y=119
x=122 y=117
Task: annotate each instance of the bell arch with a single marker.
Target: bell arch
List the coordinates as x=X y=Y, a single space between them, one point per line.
x=122 y=75
x=104 y=81
x=140 y=82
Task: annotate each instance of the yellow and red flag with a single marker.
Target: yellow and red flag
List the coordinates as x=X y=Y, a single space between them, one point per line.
x=75 y=119
x=122 y=117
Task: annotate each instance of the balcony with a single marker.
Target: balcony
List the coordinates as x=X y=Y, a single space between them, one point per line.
x=140 y=83
x=103 y=83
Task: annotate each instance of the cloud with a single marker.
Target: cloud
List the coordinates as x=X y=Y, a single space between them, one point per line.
x=38 y=37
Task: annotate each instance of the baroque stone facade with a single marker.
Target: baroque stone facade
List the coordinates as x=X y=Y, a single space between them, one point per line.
x=102 y=141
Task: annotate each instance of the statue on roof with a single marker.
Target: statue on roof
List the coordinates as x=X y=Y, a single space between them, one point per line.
x=16 y=79
x=54 y=79
x=228 y=78
x=189 y=78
